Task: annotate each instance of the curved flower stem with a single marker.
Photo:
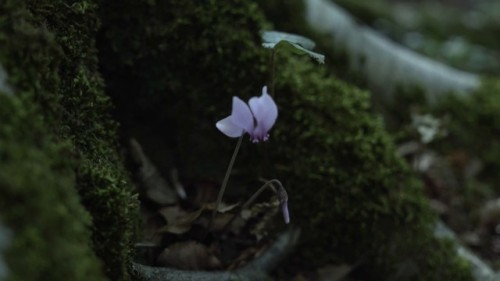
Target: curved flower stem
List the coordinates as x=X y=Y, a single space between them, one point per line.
x=269 y=183
x=281 y=192
x=224 y=182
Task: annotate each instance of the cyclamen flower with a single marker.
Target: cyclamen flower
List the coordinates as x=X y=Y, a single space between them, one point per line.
x=256 y=118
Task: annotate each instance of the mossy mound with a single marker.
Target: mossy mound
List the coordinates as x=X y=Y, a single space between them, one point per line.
x=49 y=54
x=39 y=201
x=173 y=68
x=348 y=185
x=473 y=127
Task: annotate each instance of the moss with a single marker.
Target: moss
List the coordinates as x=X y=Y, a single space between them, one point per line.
x=49 y=53
x=39 y=201
x=173 y=67
x=473 y=126
x=351 y=189
x=144 y=78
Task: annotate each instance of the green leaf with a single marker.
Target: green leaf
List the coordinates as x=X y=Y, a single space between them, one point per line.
x=296 y=43
x=276 y=37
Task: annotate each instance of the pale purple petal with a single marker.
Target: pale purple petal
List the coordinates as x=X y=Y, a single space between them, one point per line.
x=241 y=115
x=265 y=112
x=227 y=127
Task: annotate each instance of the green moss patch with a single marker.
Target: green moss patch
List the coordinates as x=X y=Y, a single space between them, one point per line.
x=357 y=198
x=474 y=126
x=49 y=54
x=39 y=202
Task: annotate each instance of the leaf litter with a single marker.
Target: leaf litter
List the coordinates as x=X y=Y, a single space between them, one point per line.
x=177 y=231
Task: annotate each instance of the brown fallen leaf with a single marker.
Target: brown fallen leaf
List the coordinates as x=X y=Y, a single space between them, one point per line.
x=152 y=185
x=264 y=212
x=223 y=207
x=220 y=222
x=148 y=245
x=152 y=221
x=189 y=255
x=334 y=272
x=181 y=224
x=172 y=214
x=247 y=255
x=179 y=187
x=267 y=212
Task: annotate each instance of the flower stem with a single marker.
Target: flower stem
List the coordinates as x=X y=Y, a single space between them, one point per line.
x=273 y=70
x=225 y=181
x=281 y=194
x=269 y=183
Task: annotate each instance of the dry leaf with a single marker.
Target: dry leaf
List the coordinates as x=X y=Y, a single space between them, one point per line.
x=181 y=224
x=265 y=209
x=247 y=255
x=223 y=207
x=153 y=186
x=149 y=244
x=152 y=222
x=189 y=255
x=220 y=222
x=172 y=213
x=334 y=272
x=158 y=193
x=174 y=176
x=175 y=228
x=237 y=225
x=268 y=212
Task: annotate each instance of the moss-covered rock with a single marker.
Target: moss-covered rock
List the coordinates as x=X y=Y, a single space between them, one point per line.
x=61 y=139
x=173 y=67
x=351 y=188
